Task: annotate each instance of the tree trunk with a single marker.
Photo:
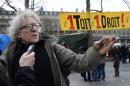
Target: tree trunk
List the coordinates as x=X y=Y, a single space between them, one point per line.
x=26 y=4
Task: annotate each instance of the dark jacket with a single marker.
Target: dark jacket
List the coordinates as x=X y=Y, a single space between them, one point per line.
x=4 y=80
x=23 y=77
x=62 y=58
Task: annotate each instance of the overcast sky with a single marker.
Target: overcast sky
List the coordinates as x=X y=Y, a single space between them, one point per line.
x=71 y=5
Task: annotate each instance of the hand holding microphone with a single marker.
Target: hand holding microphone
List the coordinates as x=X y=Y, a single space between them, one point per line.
x=28 y=59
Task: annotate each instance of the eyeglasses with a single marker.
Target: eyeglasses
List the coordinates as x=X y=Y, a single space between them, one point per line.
x=31 y=26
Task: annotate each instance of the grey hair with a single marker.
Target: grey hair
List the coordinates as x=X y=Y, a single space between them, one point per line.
x=17 y=21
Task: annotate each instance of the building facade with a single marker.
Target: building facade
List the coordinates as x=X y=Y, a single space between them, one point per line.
x=51 y=25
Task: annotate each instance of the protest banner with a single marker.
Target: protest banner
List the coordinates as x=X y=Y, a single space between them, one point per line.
x=94 y=21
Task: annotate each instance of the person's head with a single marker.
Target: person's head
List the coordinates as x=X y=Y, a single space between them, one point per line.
x=26 y=27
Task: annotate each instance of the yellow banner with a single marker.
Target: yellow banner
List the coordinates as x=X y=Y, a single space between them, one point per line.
x=94 y=21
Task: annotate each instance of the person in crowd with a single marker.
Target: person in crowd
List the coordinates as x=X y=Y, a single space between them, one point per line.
x=89 y=78
x=128 y=48
x=94 y=74
x=124 y=53
x=116 y=60
x=82 y=50
x=24 y=75
x=52 y=60
x=4 y=80
x=101 y=70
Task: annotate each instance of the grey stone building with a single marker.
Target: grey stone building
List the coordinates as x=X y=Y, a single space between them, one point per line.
x=51 y=25
x=5 y=19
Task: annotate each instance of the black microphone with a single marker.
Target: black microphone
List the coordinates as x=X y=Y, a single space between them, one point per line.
x=30 y=48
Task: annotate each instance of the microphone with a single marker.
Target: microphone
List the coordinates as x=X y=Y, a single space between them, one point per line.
x=30 y=48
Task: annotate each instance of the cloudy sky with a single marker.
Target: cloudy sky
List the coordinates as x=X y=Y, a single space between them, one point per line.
x=71 y=5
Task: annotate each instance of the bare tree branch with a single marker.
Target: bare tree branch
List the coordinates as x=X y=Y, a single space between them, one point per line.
x=32 y=4
x=3 y=4
x=37 y=7
x=127 y=3
x=95 y=10
x=101 y=6
x=35 y=4
x=7 y=1
x=26 y=4
x=89 y=9
x=38 y=2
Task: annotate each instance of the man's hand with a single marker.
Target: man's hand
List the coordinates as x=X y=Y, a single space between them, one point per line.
x=27 y=59
x=105 y=44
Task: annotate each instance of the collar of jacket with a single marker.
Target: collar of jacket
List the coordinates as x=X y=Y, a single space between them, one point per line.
x=49 y=38
x=57 y=75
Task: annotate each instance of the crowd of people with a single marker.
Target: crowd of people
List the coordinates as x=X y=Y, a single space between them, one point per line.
x=49 y=63
x=117 y=53
x=96 y=74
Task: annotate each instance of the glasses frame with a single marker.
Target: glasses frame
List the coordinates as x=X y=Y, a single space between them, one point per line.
x=31 y=26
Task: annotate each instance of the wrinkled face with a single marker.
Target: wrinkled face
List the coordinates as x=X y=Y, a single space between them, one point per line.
x=29 y=31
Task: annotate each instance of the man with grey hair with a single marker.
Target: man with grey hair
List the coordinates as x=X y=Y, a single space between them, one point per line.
x=51 y=59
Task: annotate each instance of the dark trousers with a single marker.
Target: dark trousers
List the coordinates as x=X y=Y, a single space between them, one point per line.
x=84 y=76
x=89 y=75
x=117 y=71
x=116 y=67
x=101 y=71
